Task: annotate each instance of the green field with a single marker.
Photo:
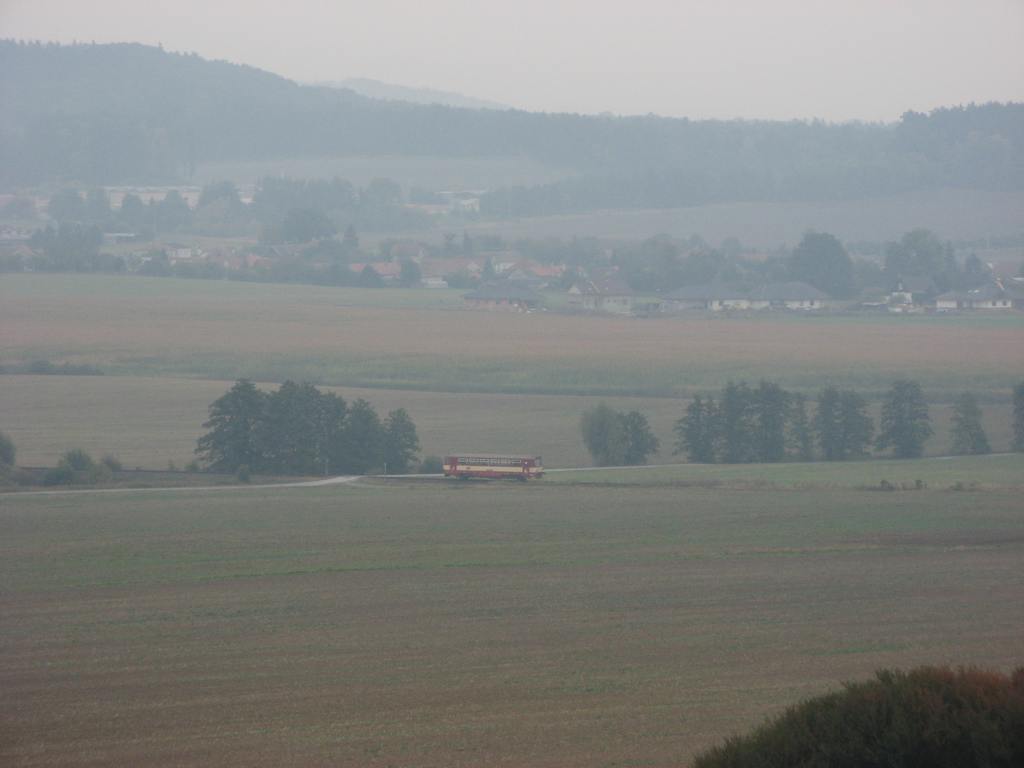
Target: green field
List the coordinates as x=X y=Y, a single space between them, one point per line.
x=494 y=624
x=1004 y=471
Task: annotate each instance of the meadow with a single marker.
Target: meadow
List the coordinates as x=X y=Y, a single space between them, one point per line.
x=422 y=340
x=425 y=624
x=959 y=473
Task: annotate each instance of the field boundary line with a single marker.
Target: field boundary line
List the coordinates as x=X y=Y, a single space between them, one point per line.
x=339 y=480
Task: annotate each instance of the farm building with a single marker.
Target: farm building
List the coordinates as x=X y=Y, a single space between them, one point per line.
x=503 y=296
x=992 y=296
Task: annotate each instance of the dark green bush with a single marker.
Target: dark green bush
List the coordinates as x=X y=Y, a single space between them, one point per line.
x=111 y=462
x=432 y=465
x=62 y=474
x=78 y=460
x=930 y=717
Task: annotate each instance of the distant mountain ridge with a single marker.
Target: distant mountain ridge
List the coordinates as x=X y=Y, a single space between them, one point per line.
x=129 y=113
x=376 y=89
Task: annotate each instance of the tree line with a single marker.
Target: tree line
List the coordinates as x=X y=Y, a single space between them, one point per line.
x=299 y=430
x=765 y=423
x=282 y=210
x=663 y=264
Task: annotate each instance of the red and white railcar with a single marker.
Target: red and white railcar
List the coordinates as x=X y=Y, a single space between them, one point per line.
x=493 y=465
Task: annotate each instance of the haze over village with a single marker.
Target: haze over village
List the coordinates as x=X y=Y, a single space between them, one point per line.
x=477 y=384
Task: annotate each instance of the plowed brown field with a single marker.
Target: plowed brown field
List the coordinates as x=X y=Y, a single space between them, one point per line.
x=475 y=626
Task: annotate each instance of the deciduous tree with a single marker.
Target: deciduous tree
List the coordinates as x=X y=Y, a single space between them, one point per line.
x=364 y=437
x=640 y=441
x=604 y=434
x=821 y=260
x=401 y=443
x=234 y=419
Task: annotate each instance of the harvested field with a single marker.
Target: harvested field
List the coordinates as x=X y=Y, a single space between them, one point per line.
x=481 y=625
x=226 y=330
x=148 y=422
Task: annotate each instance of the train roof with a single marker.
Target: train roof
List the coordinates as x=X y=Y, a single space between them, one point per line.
x=476 y=455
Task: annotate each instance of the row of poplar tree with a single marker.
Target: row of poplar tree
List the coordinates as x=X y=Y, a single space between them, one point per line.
x=299 y=430
x=765 y=423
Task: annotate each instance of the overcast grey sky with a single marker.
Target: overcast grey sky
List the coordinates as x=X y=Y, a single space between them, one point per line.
x=863 y=59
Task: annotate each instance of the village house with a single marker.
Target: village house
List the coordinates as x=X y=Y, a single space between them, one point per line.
x=718 y=297
x=910 y=294
x=792 y=295
x=610 y=294
x=442 y=267
x=711 y=296
x=503 y=296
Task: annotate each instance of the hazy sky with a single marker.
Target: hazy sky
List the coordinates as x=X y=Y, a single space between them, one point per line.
x=834 y=59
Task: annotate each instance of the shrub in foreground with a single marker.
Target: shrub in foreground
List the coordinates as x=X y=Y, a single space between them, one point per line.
x=77 y=467
x=930 y=716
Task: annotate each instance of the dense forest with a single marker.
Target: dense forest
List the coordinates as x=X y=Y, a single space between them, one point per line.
x=128 y=113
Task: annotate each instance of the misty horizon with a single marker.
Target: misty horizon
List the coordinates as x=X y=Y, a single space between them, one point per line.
x=793 y=61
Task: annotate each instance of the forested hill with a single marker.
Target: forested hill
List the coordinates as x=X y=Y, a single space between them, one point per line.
x=133 y=113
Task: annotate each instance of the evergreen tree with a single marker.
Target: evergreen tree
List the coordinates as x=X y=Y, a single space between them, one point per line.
x=828 y=424
x=799 y=435
x=905 y=421
x=640 y=441
x=857 y=427
x=234 y=419
x=734 y=409
x=769 y=404
x=842 y=424
x=696 y=432
x=1018 y=417
x=968 y=434
x=401 y=443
